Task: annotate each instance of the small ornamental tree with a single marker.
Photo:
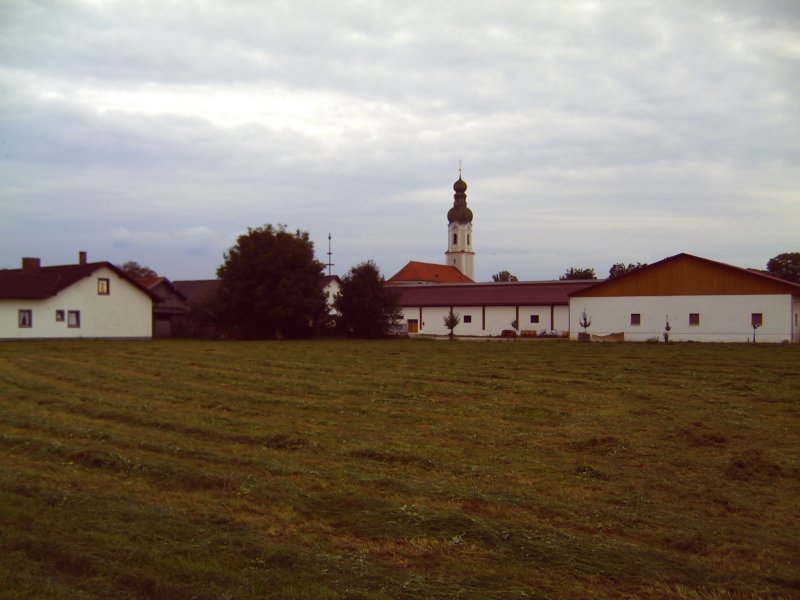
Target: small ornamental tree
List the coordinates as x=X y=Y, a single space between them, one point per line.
x=270 y=285
x=367 y=308
x=451 y=321
x=585 y=321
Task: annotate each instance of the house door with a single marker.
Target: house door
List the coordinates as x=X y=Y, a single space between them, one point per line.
x=413 y=326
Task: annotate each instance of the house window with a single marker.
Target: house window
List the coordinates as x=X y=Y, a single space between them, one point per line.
x=60 y=316
x=467 y=318
x=636 y=319
x=74 y=318
x=534 y=318
x=103 y=287
x=468 y=242
x=756 y=320
x=694 y=318
x=26 y=318
x=455 y=238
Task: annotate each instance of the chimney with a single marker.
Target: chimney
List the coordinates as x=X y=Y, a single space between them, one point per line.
x=82 y=257
x=31 y=264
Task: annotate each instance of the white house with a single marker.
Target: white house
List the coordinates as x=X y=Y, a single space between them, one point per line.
x=331 y=286
x=702 y=300
x=83 y=300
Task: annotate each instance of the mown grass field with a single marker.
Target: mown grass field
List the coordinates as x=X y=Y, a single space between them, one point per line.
x=398 y=469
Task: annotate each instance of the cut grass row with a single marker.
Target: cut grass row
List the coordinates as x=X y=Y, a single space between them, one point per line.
x=398 y=469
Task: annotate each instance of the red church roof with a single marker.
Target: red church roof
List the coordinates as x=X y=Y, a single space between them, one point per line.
x=416 y=271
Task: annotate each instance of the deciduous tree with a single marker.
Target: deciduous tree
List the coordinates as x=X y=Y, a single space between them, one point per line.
x=271 y=285
x=367 y=308
x=136 y=271
x=786 y=266
x=619 y=268
x=504 y=276
x=578 y=273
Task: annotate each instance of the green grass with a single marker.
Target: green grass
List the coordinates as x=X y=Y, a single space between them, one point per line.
x=399 y=469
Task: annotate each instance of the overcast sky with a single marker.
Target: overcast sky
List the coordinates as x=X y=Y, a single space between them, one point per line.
x=589 y=132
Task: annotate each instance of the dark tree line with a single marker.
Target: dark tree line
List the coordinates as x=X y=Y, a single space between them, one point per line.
x=271 y=287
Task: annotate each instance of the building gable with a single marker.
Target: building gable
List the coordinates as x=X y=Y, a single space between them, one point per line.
x=687 y=275
x=34 y=282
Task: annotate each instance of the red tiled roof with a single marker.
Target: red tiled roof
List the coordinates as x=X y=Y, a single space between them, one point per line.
x=526 y=293
x=429 y=272
x=150 y=282
x=45 y=282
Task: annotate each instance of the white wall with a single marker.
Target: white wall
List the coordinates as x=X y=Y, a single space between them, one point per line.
x=126 y=312
x=498 y=318
x=331 y=289
x=722 y=318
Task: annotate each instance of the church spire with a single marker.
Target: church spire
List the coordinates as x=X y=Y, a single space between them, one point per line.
x=459 y=212
x=459 y=231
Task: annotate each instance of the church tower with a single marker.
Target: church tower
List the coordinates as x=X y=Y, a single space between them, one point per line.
x=459 y=232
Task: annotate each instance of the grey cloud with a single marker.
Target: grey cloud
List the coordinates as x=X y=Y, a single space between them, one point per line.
x=566 y=116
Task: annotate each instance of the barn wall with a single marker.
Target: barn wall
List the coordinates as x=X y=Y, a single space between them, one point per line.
x=497 y=319
x=722 y=318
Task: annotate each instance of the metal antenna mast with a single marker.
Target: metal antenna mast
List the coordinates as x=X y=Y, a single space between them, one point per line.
x=330 y=255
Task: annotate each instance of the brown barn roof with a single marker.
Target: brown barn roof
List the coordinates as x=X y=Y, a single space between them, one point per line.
x=688 y=275
x=429 y=272
x=197 y=290
x=34 y=282
x=526 y=293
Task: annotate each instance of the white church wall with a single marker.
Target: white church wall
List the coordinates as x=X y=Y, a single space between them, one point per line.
x=723 y=318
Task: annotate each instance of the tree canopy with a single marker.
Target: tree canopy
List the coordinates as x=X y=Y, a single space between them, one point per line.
x=504 y=276
x=271 y=285
x=367 y=308
x=619 y=268
x=136 y=271
x=578 y=273
x=786 y=266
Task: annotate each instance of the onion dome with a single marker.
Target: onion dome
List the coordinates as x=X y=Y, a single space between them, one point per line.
x=459 y=213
